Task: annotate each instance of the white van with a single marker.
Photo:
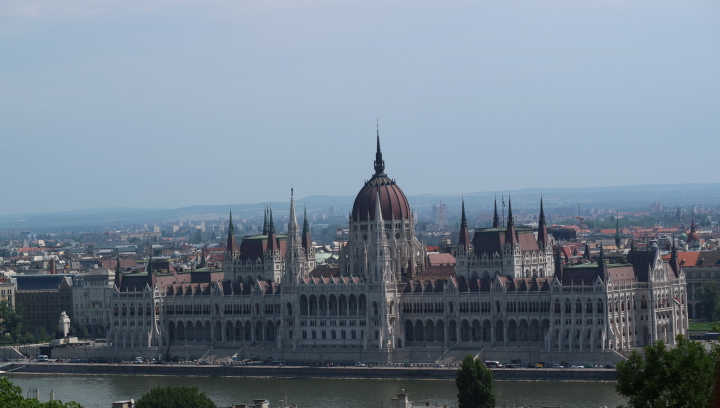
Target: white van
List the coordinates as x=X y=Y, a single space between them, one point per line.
x=42 y=357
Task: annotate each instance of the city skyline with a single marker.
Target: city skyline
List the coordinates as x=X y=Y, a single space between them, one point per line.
x=176 y=104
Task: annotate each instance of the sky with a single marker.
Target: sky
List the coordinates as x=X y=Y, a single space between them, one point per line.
x=171 y=103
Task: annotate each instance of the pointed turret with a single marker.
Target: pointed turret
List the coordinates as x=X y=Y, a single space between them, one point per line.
x=382 y=255
x=464 y=241
x=587 y=254
x=292 y=221
x=379 y=162
x=674 y=261
x=272 y=244
x=306 y=240
x=510 y=236
x=118 y=273
x=265 y=225
x=150 y=275
x=295 y=256
x=602 y=267
x=542 y=227
x=231 y=247
x=496 y=218
x=559 y=268
x=617 y=231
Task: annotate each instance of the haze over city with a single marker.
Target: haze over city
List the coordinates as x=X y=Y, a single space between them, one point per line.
x=178 y=103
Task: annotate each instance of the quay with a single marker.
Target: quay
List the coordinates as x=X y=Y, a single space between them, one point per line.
x=375 y=372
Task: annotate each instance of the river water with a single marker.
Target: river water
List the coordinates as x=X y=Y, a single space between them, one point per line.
x=99 y=391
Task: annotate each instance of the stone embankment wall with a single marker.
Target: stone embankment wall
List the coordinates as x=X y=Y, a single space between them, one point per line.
x=309 y=372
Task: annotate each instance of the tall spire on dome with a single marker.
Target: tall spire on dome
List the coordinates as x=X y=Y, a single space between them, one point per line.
x=496 y=218
x=379 y=162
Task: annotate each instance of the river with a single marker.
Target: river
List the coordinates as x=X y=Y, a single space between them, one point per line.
x=99 y=391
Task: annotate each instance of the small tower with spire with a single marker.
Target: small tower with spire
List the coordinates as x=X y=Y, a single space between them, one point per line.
x=602 y=267
x=542 y=228
x=464 y=241
x=380 y=270
x=510 y=235
x=496 y=217
x=296 y=257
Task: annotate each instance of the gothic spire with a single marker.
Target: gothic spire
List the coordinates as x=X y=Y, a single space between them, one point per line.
x=674 y=262
x=231 y=227
x=292 y=222
x=379 y=162
x=542 y=227
x=306 y=240
x=602 y=267
x=510 y=237
x=306 y=225
x=464 y=240
x=265 y=221
x=231 y=239
x=496 y=218
x=511 y=220
x=559 y=269
x=271 y=226
x=617 y=230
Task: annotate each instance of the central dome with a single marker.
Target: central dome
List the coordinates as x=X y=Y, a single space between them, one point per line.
x=393 y=203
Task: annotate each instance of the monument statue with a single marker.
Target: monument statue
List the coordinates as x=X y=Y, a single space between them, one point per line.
x=64 y=324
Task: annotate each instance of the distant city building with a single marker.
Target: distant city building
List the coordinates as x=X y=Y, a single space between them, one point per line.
x=42 y=298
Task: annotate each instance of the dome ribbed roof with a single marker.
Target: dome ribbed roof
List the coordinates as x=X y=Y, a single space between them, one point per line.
x=393 y=203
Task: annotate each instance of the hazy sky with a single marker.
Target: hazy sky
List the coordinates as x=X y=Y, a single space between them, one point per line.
x=176 y=103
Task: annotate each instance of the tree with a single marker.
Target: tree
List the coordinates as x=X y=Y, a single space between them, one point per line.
x=42 y=333
x=660 y=377
x=175 y=397
x=10 y=321
x=11 y=397
x=474 y=382
x=709 y=295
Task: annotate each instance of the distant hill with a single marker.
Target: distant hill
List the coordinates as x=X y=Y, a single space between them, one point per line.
x=622 y=198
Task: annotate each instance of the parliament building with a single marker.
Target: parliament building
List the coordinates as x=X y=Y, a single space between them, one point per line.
x=511 y=297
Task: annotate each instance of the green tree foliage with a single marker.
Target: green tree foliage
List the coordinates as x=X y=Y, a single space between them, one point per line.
x=663 y=377
x=474 y=382
x=709 y=295
x=175 y=397
x=11 y=397
x=11 y=321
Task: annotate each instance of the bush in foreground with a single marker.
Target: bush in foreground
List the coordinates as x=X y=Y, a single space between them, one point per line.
x=175 y=397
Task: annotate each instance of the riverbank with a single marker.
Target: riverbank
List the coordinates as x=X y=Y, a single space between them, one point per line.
x=439 y=373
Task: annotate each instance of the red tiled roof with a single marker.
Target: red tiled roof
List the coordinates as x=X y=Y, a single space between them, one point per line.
x=440 y=259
